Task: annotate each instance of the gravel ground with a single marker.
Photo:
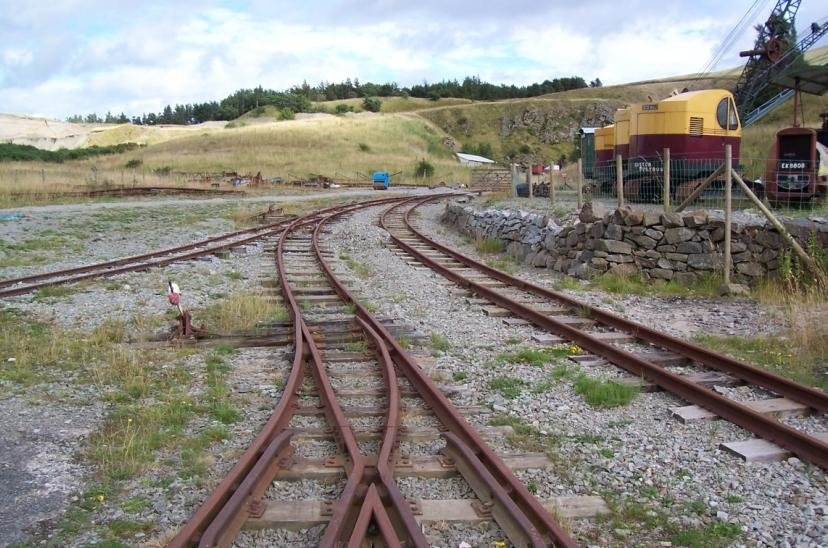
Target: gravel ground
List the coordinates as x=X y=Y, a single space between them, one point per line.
x=635 y=456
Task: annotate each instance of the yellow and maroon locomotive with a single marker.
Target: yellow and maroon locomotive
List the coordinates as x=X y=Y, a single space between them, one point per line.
x=694 y=125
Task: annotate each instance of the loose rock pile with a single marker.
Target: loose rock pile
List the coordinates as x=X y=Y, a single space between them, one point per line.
x=658 y=245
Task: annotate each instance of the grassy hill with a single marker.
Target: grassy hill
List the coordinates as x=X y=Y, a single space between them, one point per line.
x=404 y=132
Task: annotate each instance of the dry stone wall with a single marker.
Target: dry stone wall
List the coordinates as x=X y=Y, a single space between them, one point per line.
x=666 y=246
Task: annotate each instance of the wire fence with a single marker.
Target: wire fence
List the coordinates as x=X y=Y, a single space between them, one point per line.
x=791 y=188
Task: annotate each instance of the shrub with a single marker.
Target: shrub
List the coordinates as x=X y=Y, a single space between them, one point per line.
x=287 y=114
x=424 y=169
x=342 y=108
x=134 y=163
x=372 y=104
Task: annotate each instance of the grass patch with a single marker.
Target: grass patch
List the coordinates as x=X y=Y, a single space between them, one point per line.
x=508 y=387
x=504 y=265
x=646 y=513
x=568 y=282
x=54 y=292
x=439 y=344
x=552 y=380
x=524 y=436
x=459 y=376
x=706 y=287
x=605 y=392
x=489 y=245
x=360 y=269
x=239 y=312
x=797 y=356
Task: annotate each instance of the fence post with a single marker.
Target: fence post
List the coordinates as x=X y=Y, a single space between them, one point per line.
x=666 y=180
x=580 y=183
x=728 y=213
x=529 y=181
x=552 y=185
x=619 y=179
x=514 y=181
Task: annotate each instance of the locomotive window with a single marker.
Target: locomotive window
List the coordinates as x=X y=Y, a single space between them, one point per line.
x=721 y=113
x=732 y=119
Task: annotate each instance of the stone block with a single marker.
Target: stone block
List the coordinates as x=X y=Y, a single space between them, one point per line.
x=656 y=235
x=597 y=230
x=613 y=246
x=540 y=259
x=666 y=248
x=602 y=254
x=695 y=218
x=644 y=241
x=651 y=218
x=686 y=278
x=689 y=247
x=679 y=257
x=678 y=234
x=737 y=247
x=613 y=232
x=591 y=212
x=599 y=263
x=703 y=261
x=664 y=264
x=671 y=220
x=661 y=273
x=754 y=270
x=632 y=217
x=620 y=258
x=582 y=228
x=652 y=254
x=741 y=257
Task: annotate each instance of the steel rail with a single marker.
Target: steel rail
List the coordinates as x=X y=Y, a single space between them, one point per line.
x=527 y=506
x=191 y=533
x=265 y=229
x=812 y=397
x=803 y=445
x=108 y=270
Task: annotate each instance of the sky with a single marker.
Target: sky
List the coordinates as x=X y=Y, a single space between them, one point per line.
x=66 y=57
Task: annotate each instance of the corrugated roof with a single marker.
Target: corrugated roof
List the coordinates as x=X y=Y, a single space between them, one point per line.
x=473 y=158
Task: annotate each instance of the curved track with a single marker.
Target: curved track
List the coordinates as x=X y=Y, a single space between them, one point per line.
x=602 y=334
x=26 y=284
x=336 y=338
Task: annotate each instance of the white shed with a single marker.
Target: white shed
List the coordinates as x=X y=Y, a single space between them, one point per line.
x=472 y=159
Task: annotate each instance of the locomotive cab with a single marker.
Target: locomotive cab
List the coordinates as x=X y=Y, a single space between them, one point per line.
x=792 y=169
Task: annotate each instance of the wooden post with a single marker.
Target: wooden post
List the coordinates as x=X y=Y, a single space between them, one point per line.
x=529 y=181
x=782 y=230
x=728 y=260
x=552 y=186
x=580 y=183
x=666 y=180
x=514 y=181
x=619 y=179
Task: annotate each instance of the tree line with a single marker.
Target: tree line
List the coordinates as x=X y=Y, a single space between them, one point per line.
x=301 y=98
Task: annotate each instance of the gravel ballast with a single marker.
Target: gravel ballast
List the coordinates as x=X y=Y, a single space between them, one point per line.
x=636 y=457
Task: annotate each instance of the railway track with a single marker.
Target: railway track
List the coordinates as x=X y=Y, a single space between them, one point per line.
x=677 y=366
x=358 y=411
x=218 y=244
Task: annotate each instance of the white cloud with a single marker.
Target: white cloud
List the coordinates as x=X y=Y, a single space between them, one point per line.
x=138 y=57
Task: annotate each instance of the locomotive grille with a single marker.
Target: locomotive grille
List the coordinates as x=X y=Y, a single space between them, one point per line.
x=696 y=126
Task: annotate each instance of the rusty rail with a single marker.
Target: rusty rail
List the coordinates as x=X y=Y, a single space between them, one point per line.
x=254 y=465
x=805 y=446
x=519 y=504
